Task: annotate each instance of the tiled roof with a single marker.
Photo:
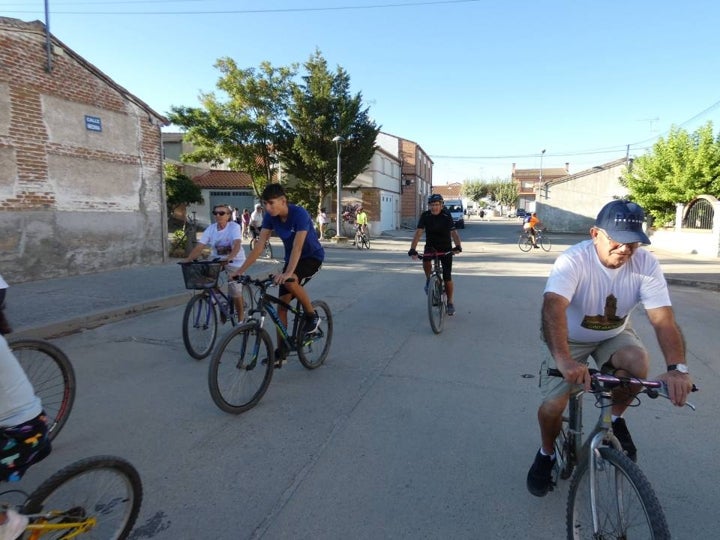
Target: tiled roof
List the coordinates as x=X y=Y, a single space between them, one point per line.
x=534 y=174
x=223 y=180
x=449 y=191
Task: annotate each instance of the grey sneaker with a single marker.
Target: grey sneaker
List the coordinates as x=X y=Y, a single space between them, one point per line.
x=539 y=478
x=451 y=309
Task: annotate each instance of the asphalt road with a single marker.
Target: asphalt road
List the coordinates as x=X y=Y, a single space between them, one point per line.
x=402 y=434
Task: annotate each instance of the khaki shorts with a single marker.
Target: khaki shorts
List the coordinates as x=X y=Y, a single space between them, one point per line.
x=601 y=351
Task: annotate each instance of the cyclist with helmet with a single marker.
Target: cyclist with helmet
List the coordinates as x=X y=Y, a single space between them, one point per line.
x=440 y=234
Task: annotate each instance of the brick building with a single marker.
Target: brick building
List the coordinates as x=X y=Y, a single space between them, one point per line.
x=81 y=184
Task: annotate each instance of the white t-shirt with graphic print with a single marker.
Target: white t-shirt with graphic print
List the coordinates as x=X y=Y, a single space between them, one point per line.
x=220 y=242
x=601 y=298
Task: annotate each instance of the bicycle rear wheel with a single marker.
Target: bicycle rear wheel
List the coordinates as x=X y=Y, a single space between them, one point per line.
x=524 y=243
x=436 y=309
x=241 y=368
x=105 y=489
x=366 y=241
x=544 y=243
x=313 y=349
x=52 y=376
x=330 y=232
x=199 y=326
x=267 y=252
x=624 y=499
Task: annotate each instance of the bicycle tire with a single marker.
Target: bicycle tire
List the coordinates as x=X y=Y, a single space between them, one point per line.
x=106 y=488
x=241 y=368
x=358 y=240
x=52 y=376
x=637 y=515
x=267 y=252
x=436 y=309
x=313 y=350
x=330 y=232
x=545 y=243
x=248 y=298
x=524 y=243
x=366 y=242
x=200 y=322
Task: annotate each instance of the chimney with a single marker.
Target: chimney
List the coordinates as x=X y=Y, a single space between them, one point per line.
x=567 y=167
x=513 y=169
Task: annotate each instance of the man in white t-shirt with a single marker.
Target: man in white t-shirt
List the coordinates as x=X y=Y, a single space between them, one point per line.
x=224 y=237
x=256 y=220
x=592 y=290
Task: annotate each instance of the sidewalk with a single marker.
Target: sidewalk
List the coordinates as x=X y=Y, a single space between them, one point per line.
x=54 y=307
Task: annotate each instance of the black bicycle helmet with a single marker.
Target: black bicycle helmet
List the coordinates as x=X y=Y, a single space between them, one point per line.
x=435 y=197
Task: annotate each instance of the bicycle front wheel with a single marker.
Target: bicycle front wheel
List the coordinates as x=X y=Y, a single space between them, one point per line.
x=241 y=368
x=366 y=241
x=52 y=377
x=103 y=493
x=199 y=326
x=524 y=243
x=436 y=309
x=330 y=232
x=544 y=243
x=313 y=349
x=625 y=502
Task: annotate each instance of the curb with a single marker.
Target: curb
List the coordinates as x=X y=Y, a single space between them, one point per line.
x=697 y=284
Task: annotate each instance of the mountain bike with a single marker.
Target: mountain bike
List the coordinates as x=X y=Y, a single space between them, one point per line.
x=52 y=377
x=541 y=239
x=362 y=240
x=200 y=319
x=94 y=498
x=242 y=365
x=609 y=495
x=266 y=253
x=436 y=292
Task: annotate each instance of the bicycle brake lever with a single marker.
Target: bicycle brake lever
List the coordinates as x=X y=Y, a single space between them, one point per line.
x=663 y=391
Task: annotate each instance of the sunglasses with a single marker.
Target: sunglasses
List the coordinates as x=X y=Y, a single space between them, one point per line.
x=614 y=244
x=219 y=213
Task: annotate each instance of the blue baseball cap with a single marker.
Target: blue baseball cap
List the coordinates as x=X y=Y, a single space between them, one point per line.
x=623 y=221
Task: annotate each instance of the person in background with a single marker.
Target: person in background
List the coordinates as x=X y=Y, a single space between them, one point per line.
x=530 y=225
x=439 y=229
x=593 y=288
x=361 y=219
x=322 y=220
x=224 y=237
x=256 y=219
x=245 y=223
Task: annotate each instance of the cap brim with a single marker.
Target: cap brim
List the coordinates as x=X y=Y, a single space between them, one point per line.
x=629 y=237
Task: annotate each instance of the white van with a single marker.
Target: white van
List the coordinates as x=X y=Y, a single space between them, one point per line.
x=455 y=207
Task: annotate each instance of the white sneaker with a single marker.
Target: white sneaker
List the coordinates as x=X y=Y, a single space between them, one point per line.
x=14 y=525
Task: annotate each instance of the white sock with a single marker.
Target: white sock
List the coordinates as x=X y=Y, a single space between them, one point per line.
x=542 y=452
x=615 y=417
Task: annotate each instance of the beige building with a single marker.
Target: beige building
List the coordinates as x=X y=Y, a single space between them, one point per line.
x=81 y=184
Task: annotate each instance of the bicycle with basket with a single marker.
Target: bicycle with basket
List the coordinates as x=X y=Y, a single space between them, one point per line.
x=208 y=306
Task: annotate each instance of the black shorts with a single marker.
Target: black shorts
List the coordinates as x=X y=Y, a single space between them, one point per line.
x=22 y=446
x=305 y=268
x=445 y=263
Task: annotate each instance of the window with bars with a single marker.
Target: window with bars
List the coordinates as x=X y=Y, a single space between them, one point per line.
x=699 y=215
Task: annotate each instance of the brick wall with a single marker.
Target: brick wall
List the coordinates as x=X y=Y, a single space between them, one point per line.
x=73 y=200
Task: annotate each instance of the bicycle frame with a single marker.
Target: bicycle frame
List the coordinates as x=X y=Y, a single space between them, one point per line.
x=267 y=305
x=219 y=299
x=75 y=528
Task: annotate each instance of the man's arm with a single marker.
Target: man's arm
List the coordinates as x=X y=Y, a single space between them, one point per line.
x=672 y=345
x=555 y=332
x=295 y=254
x=254 y=254
x=196 y=251
x=456 y=238
x=416 y=238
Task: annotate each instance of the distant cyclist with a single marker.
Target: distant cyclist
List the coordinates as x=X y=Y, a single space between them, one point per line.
x=530 y=225
x=256 y=219
x=440 y=234
x=361 y=218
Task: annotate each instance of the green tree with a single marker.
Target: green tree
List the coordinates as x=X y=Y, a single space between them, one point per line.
x=243 y=128
x=504 y=192
x=676 y=170
x=475 y=190
x=179 y=189
x=322 y=108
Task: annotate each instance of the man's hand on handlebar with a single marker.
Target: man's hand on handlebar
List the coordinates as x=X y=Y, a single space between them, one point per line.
x=413 y=253
x=575 y=373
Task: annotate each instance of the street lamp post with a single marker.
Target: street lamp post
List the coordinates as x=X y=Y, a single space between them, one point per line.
x=338 y=143
x=542 y=154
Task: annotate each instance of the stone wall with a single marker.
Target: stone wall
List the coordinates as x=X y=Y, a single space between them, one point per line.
x=81 y=186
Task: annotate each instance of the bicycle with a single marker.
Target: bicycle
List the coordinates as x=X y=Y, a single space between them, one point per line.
x=609 y=495
x=267 y=253
x=200 y=319
x=95 y=498
x=52 y=377
x=525 y=241
x=436 y=292
x=242 y=365
x=362 y=240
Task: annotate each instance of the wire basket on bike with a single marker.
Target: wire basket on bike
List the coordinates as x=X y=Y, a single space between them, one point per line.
x=201 y=274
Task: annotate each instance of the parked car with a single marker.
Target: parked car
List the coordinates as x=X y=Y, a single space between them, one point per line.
x=520 y=212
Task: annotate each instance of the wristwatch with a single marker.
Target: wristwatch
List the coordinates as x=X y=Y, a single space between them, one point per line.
x=682 y=368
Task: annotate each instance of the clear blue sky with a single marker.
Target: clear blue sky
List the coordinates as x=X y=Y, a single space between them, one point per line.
x=479 y=84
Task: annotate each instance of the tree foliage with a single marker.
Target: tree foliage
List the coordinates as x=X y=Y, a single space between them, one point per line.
x=179 y=189
x=321 y=109
x=268 y=119
x=475 y=190
x=241 y=129
x=677 y=170
x=504 y=192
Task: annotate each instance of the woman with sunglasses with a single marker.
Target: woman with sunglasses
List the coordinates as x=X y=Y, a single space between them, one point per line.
x=224 y=238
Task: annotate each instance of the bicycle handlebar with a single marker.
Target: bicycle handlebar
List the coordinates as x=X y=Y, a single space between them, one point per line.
x=653 y=389
x=433 y=254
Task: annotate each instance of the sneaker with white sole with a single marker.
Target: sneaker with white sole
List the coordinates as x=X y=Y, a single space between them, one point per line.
x=15 y=524
x=539 y=478
x=451 y=309
x=312 y=323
